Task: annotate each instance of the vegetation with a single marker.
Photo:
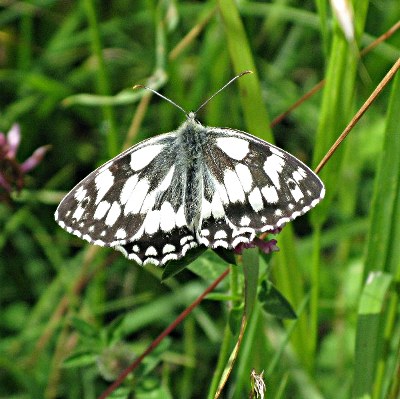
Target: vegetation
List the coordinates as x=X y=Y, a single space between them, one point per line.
x=73 y=316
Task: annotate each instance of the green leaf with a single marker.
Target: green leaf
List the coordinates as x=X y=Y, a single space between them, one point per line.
x=235 y=319
x=209 y=266
x=250 y=270
x=80 y=359
x=382 y=254
x=151 y=389
x=84 y=328
x=368 y=335
x=274 y=303
x=120 y=393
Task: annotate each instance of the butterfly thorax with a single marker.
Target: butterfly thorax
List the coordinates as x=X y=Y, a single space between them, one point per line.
x=192 y=141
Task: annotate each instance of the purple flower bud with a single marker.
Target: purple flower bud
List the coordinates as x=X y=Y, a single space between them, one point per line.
x=34 y=159
x=13 y=140
x=265 y=246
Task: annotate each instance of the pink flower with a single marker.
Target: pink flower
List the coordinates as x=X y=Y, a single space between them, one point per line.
x=265 y=246
x=11 y=171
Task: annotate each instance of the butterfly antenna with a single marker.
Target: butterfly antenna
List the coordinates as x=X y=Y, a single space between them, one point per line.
x=160 y=95
x=222 y=88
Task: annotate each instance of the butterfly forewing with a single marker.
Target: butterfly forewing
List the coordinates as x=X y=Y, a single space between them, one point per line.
x=113 y=204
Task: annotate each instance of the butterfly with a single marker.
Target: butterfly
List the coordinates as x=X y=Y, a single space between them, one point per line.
x=195 y=186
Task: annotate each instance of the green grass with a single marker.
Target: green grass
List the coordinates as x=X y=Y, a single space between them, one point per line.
x=73 y=315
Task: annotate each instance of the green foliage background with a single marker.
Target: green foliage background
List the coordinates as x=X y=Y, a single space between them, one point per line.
x=73 y=315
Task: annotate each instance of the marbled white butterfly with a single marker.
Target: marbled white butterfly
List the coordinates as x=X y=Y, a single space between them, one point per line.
x=197 y=185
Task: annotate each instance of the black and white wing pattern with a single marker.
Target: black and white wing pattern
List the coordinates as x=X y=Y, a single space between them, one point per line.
x=133 y=203
x=251 y=187
x=194 y=186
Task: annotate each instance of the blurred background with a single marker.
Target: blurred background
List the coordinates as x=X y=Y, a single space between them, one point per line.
x=72 y=316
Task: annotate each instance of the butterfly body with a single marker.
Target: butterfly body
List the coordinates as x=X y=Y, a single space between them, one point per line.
x=195 y=186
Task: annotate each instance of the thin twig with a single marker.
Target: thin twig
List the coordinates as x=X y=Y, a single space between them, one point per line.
x=191 y=35
x=359 y=114
x=321 y=84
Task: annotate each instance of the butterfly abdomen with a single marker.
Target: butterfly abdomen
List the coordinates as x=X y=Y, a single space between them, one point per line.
x=192 y=141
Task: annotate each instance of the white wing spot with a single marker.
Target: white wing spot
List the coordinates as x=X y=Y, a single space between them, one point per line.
x=148 y=203
x=180 y=219
x=245 y=177
x=168 y=257
x=205 y=209
x=270 y=194
x=101 y=210
x=301 y=171
x=297 y=194
x=220 y=243
x=103 y=181
x=223 y=195
x=256 y=200
x=168 y=248
x=78 y=212
x=273 y=166
x=113 y=214
x=135 y=248
x=151 y=251
x=233 y=186
x=134 y=258
x=143 y=156
x=126 y=191
x=120 y=234
x=137 y=196
x=152 y=222
x=220 y=234
x=80 y=194
x=297 y=175
x=238 y=240
x=167 y=179
x=167 y=217
x=217 y=208
x=233 y=147
x=204 y=241
x=151 y=261
x=121 y=249
x=186 y=239
x=245 y=221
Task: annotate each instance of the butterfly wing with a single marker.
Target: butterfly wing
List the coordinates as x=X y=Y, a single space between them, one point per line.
x=133 y=203
x=166 y=195
x=251 y=186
